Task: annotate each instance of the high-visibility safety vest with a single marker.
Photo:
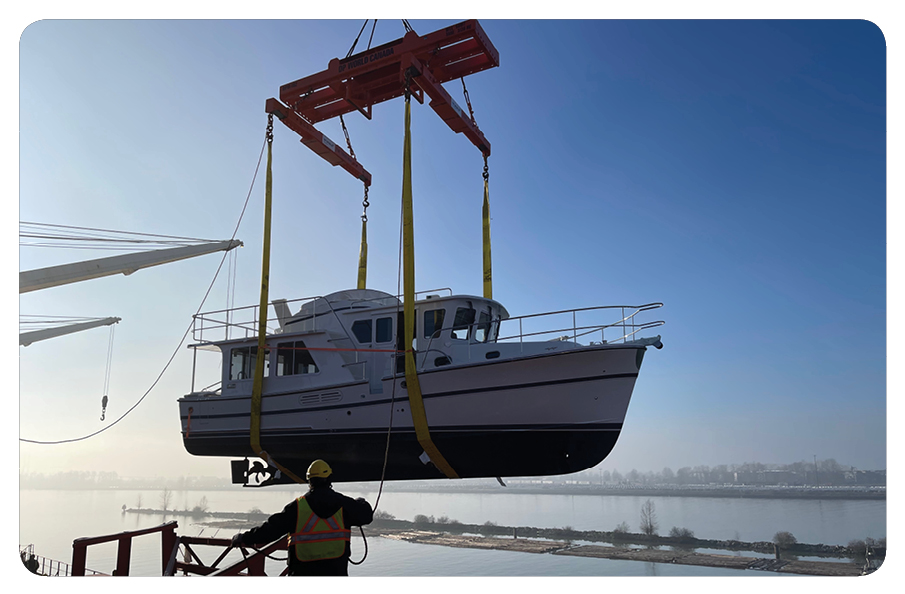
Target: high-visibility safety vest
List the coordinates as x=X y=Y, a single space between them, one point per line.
x=317 y=538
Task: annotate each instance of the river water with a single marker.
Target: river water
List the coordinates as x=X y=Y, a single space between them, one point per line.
x=52 y=519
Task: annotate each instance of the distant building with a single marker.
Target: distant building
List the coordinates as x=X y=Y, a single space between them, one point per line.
x=776 y=477
x=865 y=477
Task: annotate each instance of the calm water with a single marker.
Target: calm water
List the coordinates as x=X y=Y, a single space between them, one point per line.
x=52 y=519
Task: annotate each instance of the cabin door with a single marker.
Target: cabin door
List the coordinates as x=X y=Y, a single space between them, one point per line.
x=381 y=353
x=242 y=363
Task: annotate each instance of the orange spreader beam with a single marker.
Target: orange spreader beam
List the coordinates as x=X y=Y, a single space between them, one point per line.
x=359 y=82
x=316 y=141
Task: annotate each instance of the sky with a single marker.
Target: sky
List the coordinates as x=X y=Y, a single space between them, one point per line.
x=733 y=170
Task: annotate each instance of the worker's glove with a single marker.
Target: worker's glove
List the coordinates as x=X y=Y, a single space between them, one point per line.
x=237 y=541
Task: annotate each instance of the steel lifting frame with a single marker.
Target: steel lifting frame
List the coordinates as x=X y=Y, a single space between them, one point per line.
x=359 y=82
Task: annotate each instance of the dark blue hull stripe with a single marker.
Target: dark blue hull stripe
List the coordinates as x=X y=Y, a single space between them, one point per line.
x=477 y=429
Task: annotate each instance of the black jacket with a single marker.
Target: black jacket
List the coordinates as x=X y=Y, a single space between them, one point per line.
x=324 y=502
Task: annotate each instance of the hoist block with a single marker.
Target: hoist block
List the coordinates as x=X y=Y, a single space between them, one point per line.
x=359 y=82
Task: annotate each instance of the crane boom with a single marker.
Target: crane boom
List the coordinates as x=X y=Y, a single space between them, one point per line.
x=53 y=276
x=26 y=338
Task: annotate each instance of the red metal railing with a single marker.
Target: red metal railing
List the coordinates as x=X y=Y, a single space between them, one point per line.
x=254 y=564
x=191 y=563
x=124 y=551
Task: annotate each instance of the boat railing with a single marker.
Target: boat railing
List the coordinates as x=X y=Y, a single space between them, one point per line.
x=613 y=323
x=211 y=390
x=243 y=322
x=424 y=354
x=537 y=327
x=47 y=567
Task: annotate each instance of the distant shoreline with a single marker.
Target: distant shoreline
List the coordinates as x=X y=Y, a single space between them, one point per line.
x=740 y=491
x=245 y=520
x=472 y=535
x=875 y=493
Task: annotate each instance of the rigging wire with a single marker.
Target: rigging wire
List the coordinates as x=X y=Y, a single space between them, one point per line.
x=374 y=26
x=357 y=37
x=33 y=234
x=107 y=373
x=51 y=321
x=231 y=273
x=354 y=43
x=184 y=336
x=386 y=453
x=80 y=228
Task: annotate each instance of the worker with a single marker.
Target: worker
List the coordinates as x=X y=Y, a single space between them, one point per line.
x=317 y=524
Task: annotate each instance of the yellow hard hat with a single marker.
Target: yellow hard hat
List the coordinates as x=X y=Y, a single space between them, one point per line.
x=319 y=469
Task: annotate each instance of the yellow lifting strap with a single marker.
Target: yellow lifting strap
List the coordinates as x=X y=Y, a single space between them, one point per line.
x=488 y=276
x=363 y=255
x=416 y=404
x=258 y=386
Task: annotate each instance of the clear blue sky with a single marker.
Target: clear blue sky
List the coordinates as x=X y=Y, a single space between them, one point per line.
x=733 y=170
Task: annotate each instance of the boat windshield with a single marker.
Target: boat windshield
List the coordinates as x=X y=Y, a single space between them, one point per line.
x=462 y=322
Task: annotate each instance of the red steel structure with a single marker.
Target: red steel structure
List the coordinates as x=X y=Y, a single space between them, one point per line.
x=359 y=82
x=171 y=564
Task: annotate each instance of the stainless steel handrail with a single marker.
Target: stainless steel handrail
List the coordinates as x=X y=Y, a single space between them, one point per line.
x=206 y=322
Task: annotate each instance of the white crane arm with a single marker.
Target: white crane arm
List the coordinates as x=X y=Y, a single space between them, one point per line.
x=43 y=278
x=26 y=338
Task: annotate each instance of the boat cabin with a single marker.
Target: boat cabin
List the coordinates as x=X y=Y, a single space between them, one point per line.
x=351 y=336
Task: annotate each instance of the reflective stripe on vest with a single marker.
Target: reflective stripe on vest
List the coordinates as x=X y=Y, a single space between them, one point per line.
x=318 y=538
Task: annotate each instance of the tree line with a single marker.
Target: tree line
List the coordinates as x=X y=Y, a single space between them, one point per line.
x=85 y=479
x=821 y=472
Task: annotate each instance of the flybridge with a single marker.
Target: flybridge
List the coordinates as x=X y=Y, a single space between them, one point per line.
x=359 y=82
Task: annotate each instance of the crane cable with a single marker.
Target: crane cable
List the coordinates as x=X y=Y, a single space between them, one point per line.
x=357 y=37
x=107 y=373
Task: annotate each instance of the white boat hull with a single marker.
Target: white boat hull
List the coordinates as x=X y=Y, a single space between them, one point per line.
x=531 y=416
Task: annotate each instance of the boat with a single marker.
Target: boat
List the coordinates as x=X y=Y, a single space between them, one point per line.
x=542 y=394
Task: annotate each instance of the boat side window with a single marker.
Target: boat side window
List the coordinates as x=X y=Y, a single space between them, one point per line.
x=482 y=330
x=463 y=320
x=384 y=329
x=293 y=358
x=433 y=322
x=362 y=331
x=243 y=360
